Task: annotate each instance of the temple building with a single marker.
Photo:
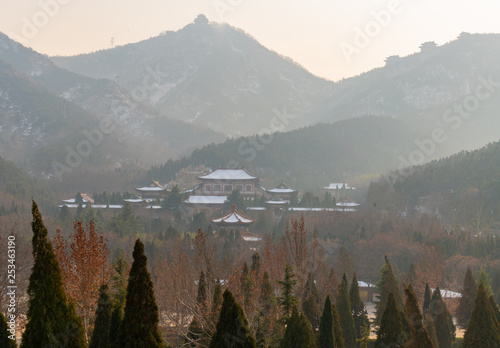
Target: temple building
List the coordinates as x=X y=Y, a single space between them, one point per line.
x=209 y=196
x=281 y=192
x=152 y=191
x=347 y=204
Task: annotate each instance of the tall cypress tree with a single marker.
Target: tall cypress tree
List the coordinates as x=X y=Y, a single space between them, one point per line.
x=440 y=315
x=310 y=301
x=466 y=302
x=337 y=329
x=288 y=299
x=361 y=321
x=419 y=337
x=390 y=333
x=5 y=341
x=326 y=338
x=51 y=321
x=201 y=297
x=298 y=333
x=232 y=328
x=115 y=322
x=483 y=328
x=346 y=320
x=427 y=300
x=386 y=285
x=431 y=330
x=495 y=308
x=100 y=335
x=139 y=327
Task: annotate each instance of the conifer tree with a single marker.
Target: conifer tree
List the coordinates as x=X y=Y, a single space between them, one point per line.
x=361 y=321
x=115 y=322
x=139 y=327
x=100 y=335
x=390 y=333
x=326 y=338
x=337 y=329
x=440 y=315
x=483 y=278
x=266 y=293
x=431 y=330
x=495 y=308
x=287 y=299
x=216 y=302
x=427 y=300
x=5 y=341
x=466 y=302
x=310 y=301
x=298 y=333
x=483 y=330
x=232 y=328
x=201 y=297
x=51 y=320
x=346 y=320
x=386 y=285
x=419 y=337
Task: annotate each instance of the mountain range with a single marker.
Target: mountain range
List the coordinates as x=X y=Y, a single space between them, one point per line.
x=207 y=82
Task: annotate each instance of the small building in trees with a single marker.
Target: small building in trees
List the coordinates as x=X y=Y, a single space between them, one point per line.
x=281 y=192
x=153 y=190
x=80 y=198
x=347 y=204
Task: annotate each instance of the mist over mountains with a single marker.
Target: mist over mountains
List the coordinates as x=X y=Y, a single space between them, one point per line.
x=207 y=82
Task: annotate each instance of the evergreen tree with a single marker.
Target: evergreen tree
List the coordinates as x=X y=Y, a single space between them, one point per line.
x=346 y=320
x=216 y=302
x=427 y=300
x=431 y=330
x=139 y=327
x=232 y=328
x=310 y=299
x=390 y=333
x=51 y=321
x=115 y=322
x=483 y=278
x=326 y=338
x=298 y=333
x=256 y=263
x=419 y=337
x=386 y=285
x=287 y=299
x=483 y=330
x=5 y=341
x=100 y=335
x=337 y=329
x=440 y=315
x=361 y=321
x=495 y=308
x=466 y=302
x=201 y=297
x=266 y=293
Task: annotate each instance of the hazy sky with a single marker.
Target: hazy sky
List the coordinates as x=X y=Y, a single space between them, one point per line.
x=318 y=34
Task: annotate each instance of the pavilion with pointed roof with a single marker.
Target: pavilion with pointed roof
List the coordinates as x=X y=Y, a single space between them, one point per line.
x=233 y=219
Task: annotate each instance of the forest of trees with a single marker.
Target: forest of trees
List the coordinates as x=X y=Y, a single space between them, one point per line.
x=287 y=295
